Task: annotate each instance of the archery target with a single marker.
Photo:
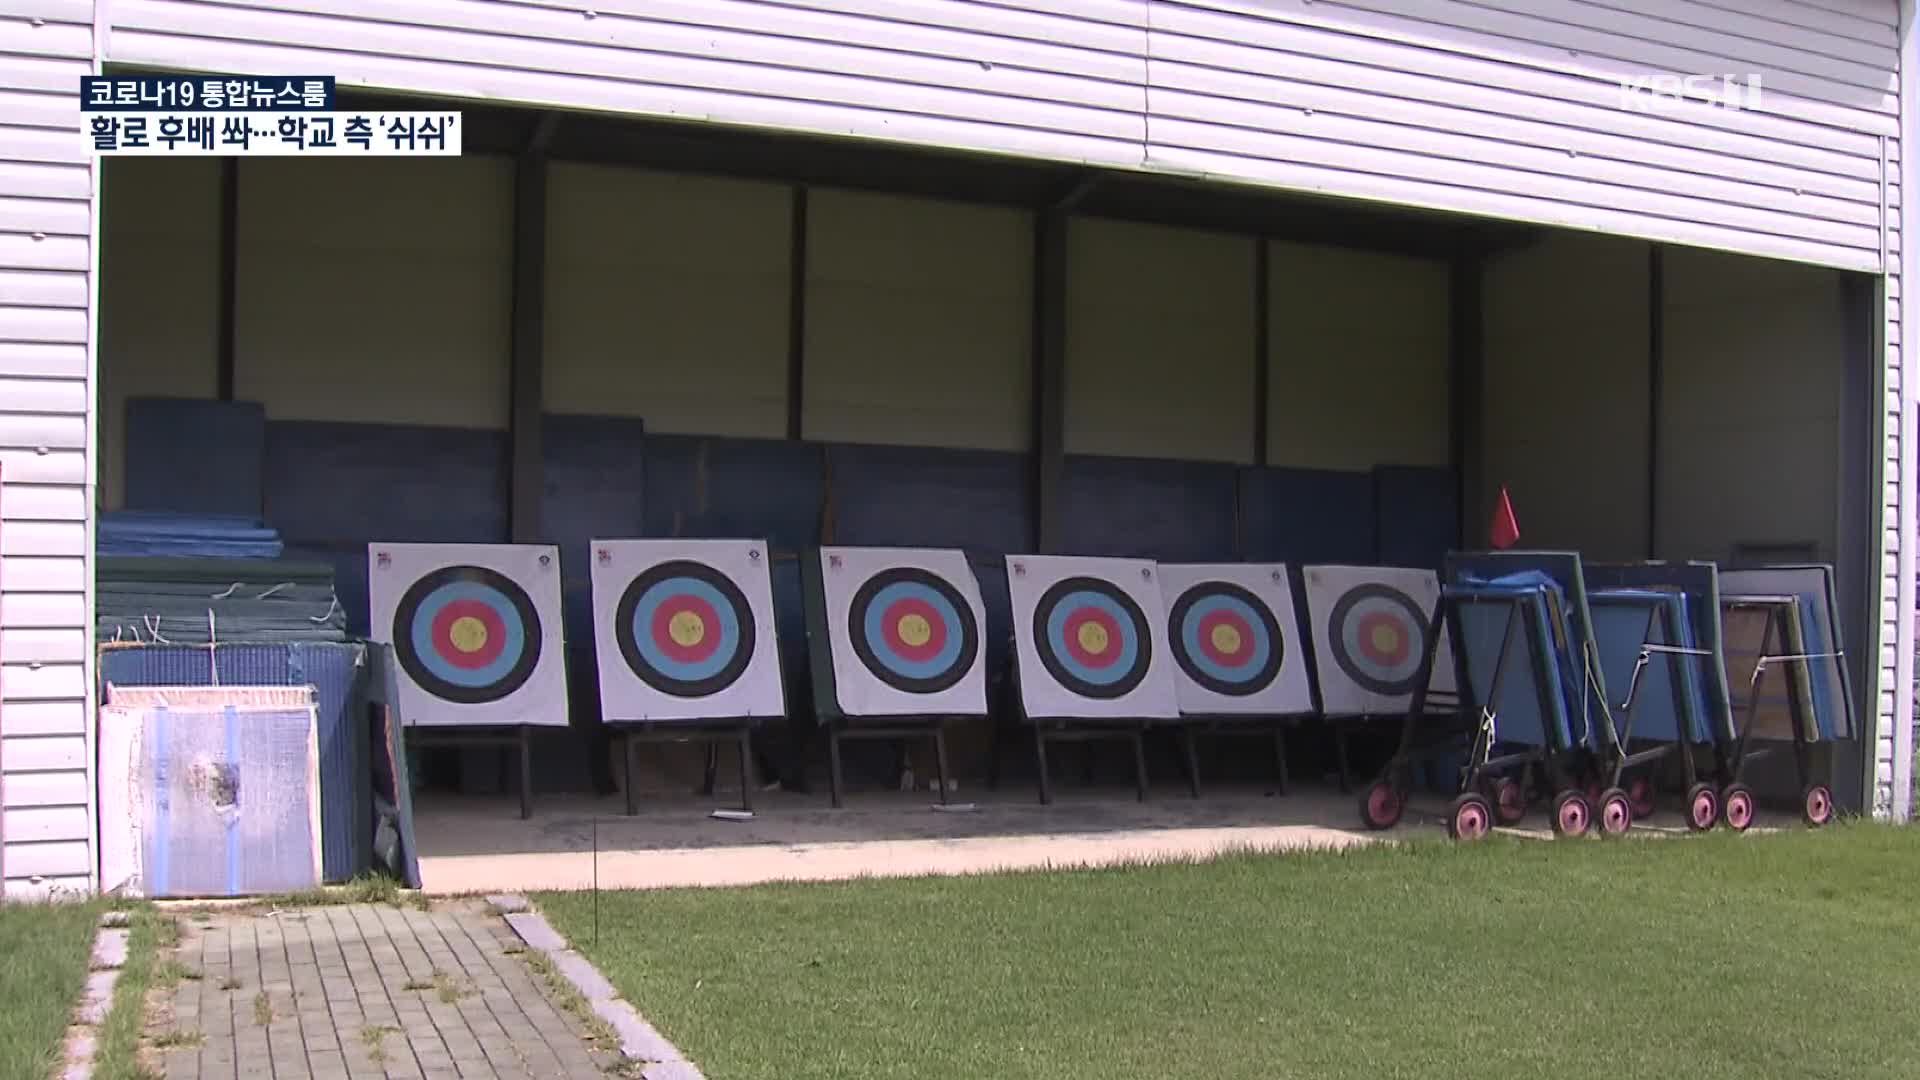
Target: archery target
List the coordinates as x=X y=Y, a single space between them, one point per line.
x=475 y=631
x=905 y=629
x=1370 y=626
x=684 y=630
x=1231 y=631
x=1090 y=638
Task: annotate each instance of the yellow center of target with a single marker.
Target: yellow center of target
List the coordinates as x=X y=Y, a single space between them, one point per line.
x=1386 y=639
x=915 y=630
x=1093 y=637
x=1226 y=639
x=687 y=629
x=468 y=634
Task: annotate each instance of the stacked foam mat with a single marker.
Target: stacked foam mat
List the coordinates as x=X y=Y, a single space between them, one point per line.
x=200 y=600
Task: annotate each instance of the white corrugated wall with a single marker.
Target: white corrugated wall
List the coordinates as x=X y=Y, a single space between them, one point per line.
x=46 y=485
x=1510 y=108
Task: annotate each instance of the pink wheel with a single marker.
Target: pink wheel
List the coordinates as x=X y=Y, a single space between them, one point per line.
x=1381 y=806
x=1736 y=807
x=1640 y=796
x=1472 y=817
x=1703 y=807
x=1572 y=814
x=1509 y=801
x=1816 y=805
x=1616 y=813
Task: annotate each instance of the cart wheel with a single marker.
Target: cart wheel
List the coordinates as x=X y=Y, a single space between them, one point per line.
x=1816 y=806
x=1472 y=817
x=1381 y=805
x=1616 y=813
x=1640 y=796
x=1509 y=798
x=1736 y=807
x=1703 y=807
x=1572 y=813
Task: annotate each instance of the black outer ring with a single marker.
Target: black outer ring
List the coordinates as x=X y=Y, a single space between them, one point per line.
x=856 y=630
x=735 y=666
x=1276 y=651
x=1338 y=618
x=410 y=662
x=1143 y=634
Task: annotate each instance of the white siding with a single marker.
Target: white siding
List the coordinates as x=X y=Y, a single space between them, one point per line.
x=46 y=252
x=1512 y=108
x=1890 y=788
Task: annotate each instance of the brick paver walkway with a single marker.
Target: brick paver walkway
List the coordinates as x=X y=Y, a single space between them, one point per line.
x=331 y=993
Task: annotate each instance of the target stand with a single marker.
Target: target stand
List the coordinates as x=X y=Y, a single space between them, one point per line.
x=1090 y=657
x=896 y=643
x=476 y=640
x=1233 y=633
x=686 y=647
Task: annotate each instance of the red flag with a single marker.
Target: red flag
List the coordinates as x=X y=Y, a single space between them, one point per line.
x=1505 y=530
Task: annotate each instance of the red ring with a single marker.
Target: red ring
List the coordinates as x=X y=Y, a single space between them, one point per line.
x=1213 y=619
x=1374 y=621
x=662 y=626
x=1071 y=631
x=890 y=629
x=487 y=653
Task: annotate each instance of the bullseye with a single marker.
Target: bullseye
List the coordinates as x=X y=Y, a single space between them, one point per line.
x=1092 y=638
x=1225 y=638
x=913 y=630
x=1378 y=635
x=466 y=634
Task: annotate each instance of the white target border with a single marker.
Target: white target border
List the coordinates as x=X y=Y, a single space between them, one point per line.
x=1291 y=691
x=541 y=700
x=1339 y=694
x=843 y=570
x=758 y=693
x=1041 y=696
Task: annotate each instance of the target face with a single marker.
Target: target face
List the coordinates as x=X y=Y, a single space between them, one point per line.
x=913 y=630
x=1093 y=639
x=467 y=634
x=685 y=629
x=1226 y=639
x=1378 y=637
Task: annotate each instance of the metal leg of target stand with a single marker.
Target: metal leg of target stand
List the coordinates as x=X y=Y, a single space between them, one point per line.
x=940 y=758
x=629 y=747
x=1040 y=756
x=833 y=761
x=746 y=768
x=1192 y=758
x=1140 y=762
x=1340 y=755
x=526 y=772
x=1280 y=758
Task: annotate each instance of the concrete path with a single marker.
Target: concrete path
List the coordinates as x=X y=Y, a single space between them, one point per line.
x=364 y=990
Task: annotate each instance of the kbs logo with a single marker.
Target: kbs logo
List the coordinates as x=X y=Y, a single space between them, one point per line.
x=1669 y=93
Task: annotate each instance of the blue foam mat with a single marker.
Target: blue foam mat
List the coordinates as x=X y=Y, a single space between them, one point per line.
x=1174 y=511
x=194 y=456
x=1306 y=516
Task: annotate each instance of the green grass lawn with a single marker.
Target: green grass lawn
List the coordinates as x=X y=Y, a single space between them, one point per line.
x=1795 y=955
x=43 y=965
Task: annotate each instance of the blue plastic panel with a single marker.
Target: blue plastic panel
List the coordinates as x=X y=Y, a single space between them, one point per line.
x=734 y=489
x=1530 y=708
x=336 y=483
x=1416 y=514
x=594 y=488
x=189 y=455
x=901 y=496
x=1670 y=689
x=1175 y=511
x=1307 y=516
